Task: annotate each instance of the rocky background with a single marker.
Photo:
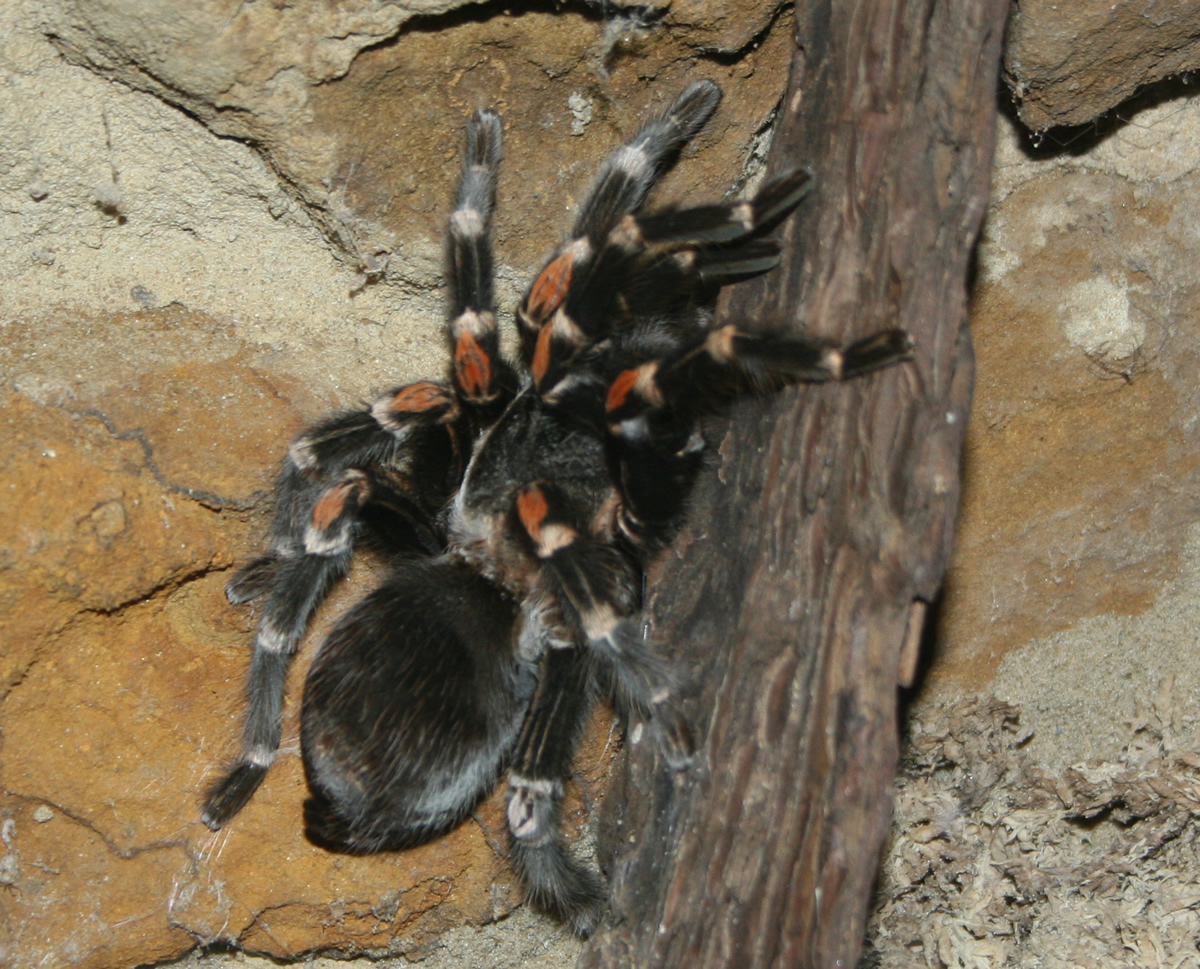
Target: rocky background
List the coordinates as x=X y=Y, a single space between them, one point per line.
x=223 y=218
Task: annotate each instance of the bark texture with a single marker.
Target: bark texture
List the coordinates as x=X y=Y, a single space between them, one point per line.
x=826 y=523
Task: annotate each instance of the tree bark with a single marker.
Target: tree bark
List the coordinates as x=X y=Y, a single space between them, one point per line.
x=825 y=525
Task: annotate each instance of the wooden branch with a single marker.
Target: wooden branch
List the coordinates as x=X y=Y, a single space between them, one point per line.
x=826 y=524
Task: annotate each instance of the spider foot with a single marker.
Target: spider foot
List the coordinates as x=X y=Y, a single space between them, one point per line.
x=252 y=580
x=646 y=689
x=560 y=887
x=674 y=735
x=230 y=794
x=555 y=883
x=727 y=223
x=876 y=351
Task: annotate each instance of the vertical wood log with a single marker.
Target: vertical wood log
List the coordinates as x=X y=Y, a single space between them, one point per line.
x=826 y=523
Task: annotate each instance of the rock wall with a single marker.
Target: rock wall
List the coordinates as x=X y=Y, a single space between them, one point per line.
x=1069 y=63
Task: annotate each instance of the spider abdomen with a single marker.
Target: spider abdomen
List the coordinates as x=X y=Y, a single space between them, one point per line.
x=411 y=707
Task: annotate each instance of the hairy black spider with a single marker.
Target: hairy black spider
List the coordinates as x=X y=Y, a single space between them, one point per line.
x=520 y=502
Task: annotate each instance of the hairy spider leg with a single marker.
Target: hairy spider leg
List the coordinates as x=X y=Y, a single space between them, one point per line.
x=483 y=379
x=549 y=333
x=648 y=403
x=631 y=171
x=351 y=464
x=596 y=592
x=597 y=587
x=723 y=223
x=729 y=359
x=300 y=584
x=555 y=882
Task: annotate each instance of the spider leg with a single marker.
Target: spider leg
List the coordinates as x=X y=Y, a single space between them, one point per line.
x=332 y=472
x=595 y=590
x=651 y=407
x=717 y=365
x=483 y=379
x=300 y=584
x=550 y=329
x=628 y=174
x=722 y=223
x=598 y=591
x=555 y=882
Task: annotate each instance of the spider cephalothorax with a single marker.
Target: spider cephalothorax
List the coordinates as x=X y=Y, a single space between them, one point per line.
x=519 y=504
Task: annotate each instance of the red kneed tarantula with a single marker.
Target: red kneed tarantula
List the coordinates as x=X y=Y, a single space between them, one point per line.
x=519 y=503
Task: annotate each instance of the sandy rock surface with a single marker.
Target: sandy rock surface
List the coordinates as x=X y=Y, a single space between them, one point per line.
x=1069 y=63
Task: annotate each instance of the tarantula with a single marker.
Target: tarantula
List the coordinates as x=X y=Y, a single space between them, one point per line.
x=519 y=503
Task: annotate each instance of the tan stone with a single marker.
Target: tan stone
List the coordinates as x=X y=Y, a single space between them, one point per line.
x=1068 y=63
x=366 y=133
x=1081 y=464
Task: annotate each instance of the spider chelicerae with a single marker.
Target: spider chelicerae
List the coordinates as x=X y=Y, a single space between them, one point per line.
x=518 y=503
